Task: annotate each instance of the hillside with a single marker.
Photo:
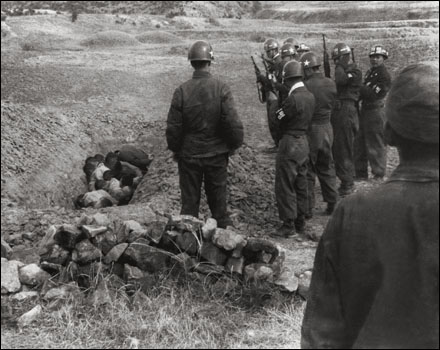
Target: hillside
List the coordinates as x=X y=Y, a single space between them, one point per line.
x=219 y=9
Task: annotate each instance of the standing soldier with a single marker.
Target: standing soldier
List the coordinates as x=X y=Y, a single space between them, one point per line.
x=369 y=143
x=344 y=119
x=273 y=60
x=291 y=163
x=287 y=53
x=202 y=129
x=320 y=134
x=376 y=272
x=279 y=91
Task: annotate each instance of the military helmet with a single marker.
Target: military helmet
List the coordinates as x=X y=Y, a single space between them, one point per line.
x=292 y=69
x=379 y=50
x=310 y=59
x=289 y=40
x=340 y=49
x=270 y=44
x=302 y=48
x=200 y=51
x=287 y=50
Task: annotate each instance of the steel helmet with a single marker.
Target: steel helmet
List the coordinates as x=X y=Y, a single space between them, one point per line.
x=292 y=69
x=310 y=59
x=287 y=50
x=340 y=50
x=270 y=44
x=290 y=40
x=302 y=48
x=379 y=50
x=200 y=51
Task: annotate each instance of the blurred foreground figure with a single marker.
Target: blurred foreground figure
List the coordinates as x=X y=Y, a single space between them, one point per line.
x=203 y=128
x=376 y=273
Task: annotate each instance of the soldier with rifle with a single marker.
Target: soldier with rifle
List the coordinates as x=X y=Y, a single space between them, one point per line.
x=369 y=143
x=327 y=72
x=344 y=118
x=320 y=134
x=267 y=80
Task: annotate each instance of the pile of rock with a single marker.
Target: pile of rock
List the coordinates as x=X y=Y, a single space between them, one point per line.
x=132 y=255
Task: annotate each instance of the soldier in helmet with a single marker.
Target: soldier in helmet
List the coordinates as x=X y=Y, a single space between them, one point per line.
x=369 y=143
x=302 y=48
x=375 y=276
x=291 y=40
x=279 y=91
x=320 y=134
x=203 y=128
x=344 y=119
x=271 y=48
x=287 y=53
x=293 y=119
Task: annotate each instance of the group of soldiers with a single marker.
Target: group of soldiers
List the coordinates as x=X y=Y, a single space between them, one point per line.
x=375 y=276
x=338 y=126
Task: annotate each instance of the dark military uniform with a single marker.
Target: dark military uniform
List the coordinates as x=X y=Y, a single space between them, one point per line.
x=320 y=138
x=273 y=67
x=345 y=121
x=375 y=277
x=202 y=128
x=369 y=143
x=292 y=157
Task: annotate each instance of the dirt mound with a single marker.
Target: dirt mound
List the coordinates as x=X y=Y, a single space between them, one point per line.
x=158 y=37
x=42 y=41
x=111 y=38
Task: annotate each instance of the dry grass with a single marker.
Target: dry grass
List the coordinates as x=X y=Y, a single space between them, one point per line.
x=158 y=37
x=195 y=315
x=111 y=38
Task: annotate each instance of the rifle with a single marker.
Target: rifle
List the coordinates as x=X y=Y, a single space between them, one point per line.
x=270 y=76
x=352 y=55
x=261 y=94
x=326 y=58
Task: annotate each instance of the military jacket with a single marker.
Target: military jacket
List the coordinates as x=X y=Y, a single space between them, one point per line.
x=202 y=120
x=298 y=111
x=348 y=82
x=377 y=83
x=376 y=271
x=324 y=91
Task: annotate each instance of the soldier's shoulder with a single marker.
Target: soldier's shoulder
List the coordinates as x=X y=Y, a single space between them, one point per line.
x=383 y=70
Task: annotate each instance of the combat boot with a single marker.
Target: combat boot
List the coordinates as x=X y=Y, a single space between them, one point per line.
x=345 y=190
x=300 y=224
x=287 y=230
